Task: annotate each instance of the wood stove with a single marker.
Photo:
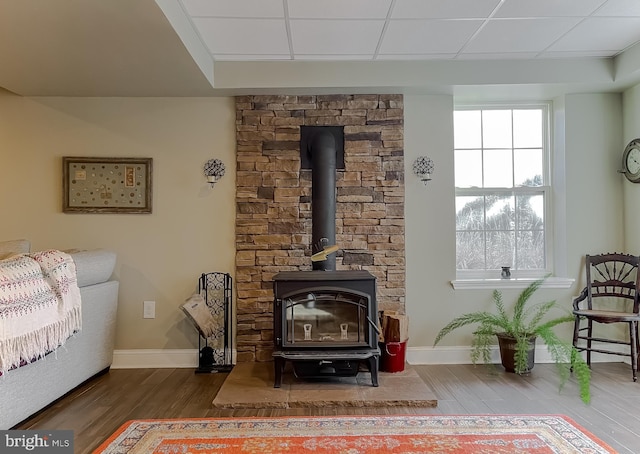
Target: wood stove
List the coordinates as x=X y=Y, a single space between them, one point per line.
x=325 y=323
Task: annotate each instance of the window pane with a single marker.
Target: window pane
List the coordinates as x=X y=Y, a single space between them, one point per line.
x=496 y=129
x=497 y=168
x=500 y=212
x=530 y=250
x=527 y=167
x=530 y=212
x=468 y=168
x=470 y=213
x=466 y=129
x=527 y=128
x=470 y=250
x=496 y=226
x=500 y=249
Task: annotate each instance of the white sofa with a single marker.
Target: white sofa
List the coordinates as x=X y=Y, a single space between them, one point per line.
x=32 y=387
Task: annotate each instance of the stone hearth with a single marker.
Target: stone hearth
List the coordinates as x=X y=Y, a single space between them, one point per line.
x=250 y=385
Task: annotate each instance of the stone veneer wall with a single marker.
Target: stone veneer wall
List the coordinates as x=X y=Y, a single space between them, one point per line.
x=273 y=201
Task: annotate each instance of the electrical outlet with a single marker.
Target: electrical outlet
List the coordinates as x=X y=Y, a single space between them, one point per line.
x=149 y=309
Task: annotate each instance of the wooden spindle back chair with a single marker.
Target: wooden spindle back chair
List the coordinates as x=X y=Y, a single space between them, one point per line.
x=610 y=296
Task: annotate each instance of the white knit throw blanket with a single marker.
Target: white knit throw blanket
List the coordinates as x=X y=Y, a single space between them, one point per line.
x=40 y=306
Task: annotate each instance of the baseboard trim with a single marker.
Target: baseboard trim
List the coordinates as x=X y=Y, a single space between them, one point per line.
x=155 y=358
x=462 y=355
x=188 y=358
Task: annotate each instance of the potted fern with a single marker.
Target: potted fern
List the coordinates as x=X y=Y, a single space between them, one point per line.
x=517 y=333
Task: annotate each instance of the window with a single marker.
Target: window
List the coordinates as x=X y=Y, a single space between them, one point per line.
x=502 y=190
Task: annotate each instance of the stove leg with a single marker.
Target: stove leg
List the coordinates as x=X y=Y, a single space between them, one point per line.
x=279 y=369
x=373 y=368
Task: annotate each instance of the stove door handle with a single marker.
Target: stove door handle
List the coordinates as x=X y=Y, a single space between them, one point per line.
x=374 y=325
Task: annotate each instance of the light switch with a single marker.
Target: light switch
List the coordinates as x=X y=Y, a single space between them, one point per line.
x=149 y=309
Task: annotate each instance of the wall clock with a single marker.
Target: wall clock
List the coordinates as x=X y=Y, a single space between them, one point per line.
x=631 y=161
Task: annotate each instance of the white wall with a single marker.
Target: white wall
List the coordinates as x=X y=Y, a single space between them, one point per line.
x=587 y=130
x=430 y=216
x=631 y=103
x=631 y=191
x=593 y=134
x=595 y=204
x=160 y=255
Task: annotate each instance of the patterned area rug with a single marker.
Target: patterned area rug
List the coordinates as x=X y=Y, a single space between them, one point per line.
x=357 y=434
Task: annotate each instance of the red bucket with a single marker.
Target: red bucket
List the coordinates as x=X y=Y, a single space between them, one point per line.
x=393 y=356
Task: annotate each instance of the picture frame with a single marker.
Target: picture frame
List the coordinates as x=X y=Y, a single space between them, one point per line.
x=106 y=185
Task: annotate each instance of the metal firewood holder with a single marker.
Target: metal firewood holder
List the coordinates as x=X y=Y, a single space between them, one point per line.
x=216 y=351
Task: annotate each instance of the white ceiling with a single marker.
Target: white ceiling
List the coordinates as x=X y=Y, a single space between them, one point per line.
x=470 y=48
x=253 y=30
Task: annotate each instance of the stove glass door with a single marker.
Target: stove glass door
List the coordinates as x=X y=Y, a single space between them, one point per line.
x=326 y=317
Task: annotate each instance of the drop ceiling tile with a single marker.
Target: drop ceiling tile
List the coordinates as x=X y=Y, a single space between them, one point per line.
x=576 y=54
x=334 y=57
x=519 y=35
x=497 y=56
x=427 y=36
x=414 y=57
x=335 y=37
x=338 y=9
x=620 y=8
x=548 y=8
x=235 y=8
x=443 y=9
x=418 y=30
x=243 y=36
x=600 y=33
x=249 y=57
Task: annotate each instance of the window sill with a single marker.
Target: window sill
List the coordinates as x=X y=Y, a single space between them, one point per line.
x=474 y=284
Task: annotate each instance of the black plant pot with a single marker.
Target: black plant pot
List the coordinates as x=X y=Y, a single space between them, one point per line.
x=508 y=349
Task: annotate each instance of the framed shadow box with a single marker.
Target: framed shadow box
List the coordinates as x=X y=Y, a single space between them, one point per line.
x=106 y=185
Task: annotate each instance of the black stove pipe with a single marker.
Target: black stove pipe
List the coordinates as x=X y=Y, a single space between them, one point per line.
x=323 y=196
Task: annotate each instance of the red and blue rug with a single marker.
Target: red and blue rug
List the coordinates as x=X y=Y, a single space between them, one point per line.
x=410 y=434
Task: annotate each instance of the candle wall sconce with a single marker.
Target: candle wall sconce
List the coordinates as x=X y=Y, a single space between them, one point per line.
x=423 y=168
x=213 y=170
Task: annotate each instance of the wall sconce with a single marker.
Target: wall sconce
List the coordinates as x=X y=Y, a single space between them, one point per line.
x=213 y=170
x=423 y=168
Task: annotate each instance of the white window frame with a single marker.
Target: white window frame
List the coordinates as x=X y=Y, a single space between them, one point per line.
x=520 y=278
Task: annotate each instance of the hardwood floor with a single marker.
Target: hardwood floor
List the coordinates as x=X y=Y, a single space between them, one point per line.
x=95 y=410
